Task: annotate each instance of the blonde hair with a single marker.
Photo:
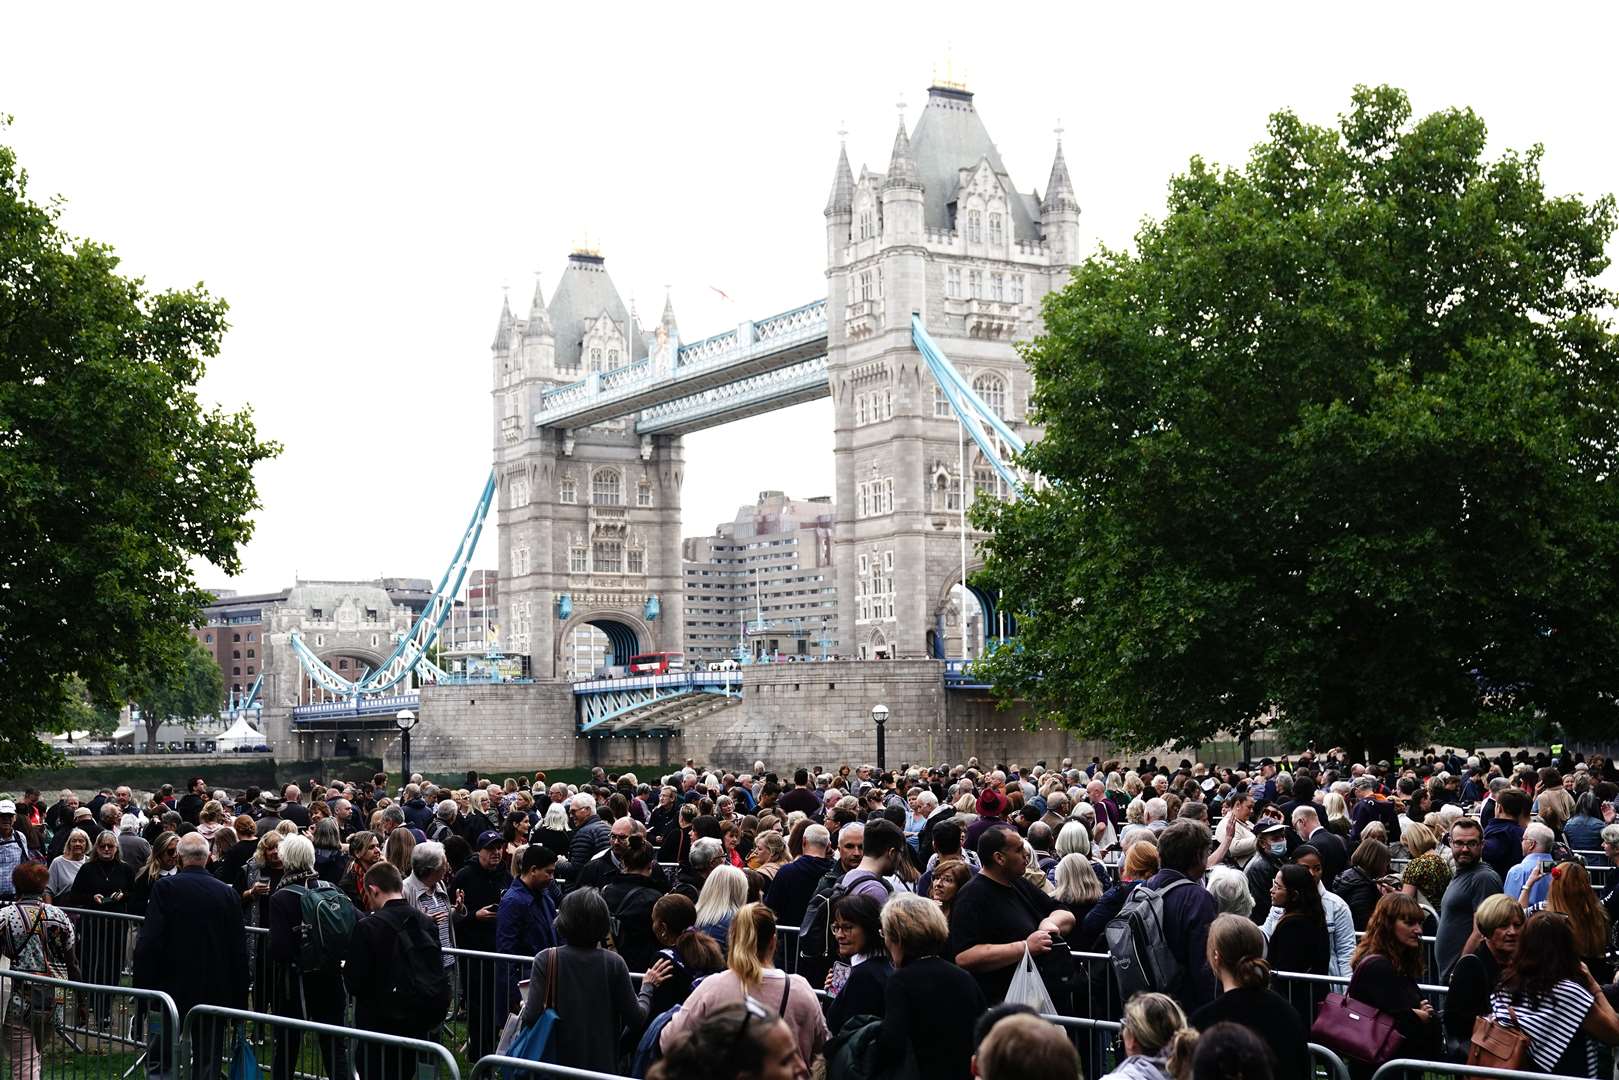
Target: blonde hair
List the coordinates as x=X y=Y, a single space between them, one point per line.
x=1077 y=882
x=1497 y=911
x=750 y=944
x=1333 y=803
x=916 y=924
x=1158 y=1026
x=724 y=893
x=1417 y=838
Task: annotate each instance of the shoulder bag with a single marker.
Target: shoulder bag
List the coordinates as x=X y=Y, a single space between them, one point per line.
x=1497 y=1046
x=1356 y=1031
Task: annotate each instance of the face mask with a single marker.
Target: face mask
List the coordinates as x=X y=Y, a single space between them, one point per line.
x=1279 y=849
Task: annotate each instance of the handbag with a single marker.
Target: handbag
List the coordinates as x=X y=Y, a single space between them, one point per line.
x=532 y=1042
x=1496 y=1046
x=1356 y=1031
x=244 y=1063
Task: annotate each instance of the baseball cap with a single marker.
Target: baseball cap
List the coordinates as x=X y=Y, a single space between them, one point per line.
x=489 y=838
x=1269 y=825
x=7 y=806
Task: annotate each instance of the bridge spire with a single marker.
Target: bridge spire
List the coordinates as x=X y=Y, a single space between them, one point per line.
x=503 y=333
x=902 y=170
x=668 y=319
x=539 y=319
x=842 y=198
x=1060 y=195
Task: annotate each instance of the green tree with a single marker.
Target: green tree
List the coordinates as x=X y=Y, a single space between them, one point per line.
x=185 y=687
x=113 y=478
x=1337 y=439
x=81 y=714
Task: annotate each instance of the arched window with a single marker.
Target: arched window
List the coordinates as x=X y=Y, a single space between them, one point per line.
x=607 y=557
x=996 y=237
x=612 y=358
x=595 y=359
x=975 y=227
x=606 y=489
x=993 y=390
x=569 y=492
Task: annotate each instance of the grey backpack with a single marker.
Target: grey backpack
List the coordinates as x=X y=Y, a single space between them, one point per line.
x=1138 y=945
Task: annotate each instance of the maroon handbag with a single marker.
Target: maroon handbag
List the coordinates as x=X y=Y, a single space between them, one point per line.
x=1356 y=1031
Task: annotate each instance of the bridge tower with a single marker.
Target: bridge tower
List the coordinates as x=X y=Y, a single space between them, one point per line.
x=589 y=518
x=943 y=232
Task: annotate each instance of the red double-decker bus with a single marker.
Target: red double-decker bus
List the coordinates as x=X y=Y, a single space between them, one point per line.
x=659 y=663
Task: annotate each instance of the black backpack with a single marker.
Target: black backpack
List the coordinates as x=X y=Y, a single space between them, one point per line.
x=1137 y=944
x=815 y=939
x=419 y=992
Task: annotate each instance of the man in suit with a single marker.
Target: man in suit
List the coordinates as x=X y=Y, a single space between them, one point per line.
x=192 y=946
x=1334 y=854
x=293 y=809
x=934 y=812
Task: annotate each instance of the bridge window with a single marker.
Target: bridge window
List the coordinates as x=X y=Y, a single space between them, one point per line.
x=236 y=671
x=986 y=482
x=208 y=639
x=865 y=285
x=952 y=282
x=612 y=358
x=635 y=562
x=946 y=492
x=578 y=561
x=643 y=494
x=997 y=286
x=941 y=403
x=238 y=637
x=595 y=359
x=860 y=409
x=569 y=492
x=250 y=669
x=975 y=284
x=606 y=489
x=236 y=654
x=251 y=636
x=607 y=557
x=868 y=227
x=250 y=654
x=519 y=561
x=1017 y=288
x=342 y=665
x=975 y=227
x=993 y=391
x=996 y=237
x=519 y=491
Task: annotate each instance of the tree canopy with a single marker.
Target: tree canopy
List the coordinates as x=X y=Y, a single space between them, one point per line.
x=1337 y=439
x=180 y=689
x=112 y=476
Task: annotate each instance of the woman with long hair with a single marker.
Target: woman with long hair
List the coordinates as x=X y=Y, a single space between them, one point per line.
x=553 y=832
x=398 y=850
x=66 y=866
x=738 y=1041
x=1359 y=884
x=858 y=980
x=1387 y=965
x=724 y=892
x=1336 y=819
x=1156 y=1038
x=1498 y=922
x=1236 y=955
x=1140 y=863
x=1571 y=894
x=103 y=883
x=769 y=854
x=1077 y=887
x=750 y=972
x=164 y=860
x=1300 y=942
x=364 y=852
x=1553 y=999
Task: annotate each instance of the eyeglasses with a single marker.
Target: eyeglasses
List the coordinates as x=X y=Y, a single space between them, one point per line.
x=752 y=1011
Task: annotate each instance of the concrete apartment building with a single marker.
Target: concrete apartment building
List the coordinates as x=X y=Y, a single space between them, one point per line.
x=765 y=581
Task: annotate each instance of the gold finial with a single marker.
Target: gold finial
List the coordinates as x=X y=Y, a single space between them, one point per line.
x=949 y=82
x=584 y=246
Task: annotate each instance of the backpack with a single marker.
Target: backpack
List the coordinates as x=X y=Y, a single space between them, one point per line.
x=648 y=1051
x=420 y=988
x=328 y=919
x=1138 y=946
x=815 y=938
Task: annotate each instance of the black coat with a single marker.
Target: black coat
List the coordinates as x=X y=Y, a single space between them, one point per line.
x=793 y=886
x=865 y=994
x=931 y=1006
x=924 y=839
x=629 y=900
x=192 y=945
x=372 y=966
x=1359 y=892
x=1334 y=854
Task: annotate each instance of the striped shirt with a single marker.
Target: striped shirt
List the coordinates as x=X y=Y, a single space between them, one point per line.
x=1551 y=1024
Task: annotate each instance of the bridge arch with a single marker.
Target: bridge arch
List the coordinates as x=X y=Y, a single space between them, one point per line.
x=626 y=634
x=994 y=624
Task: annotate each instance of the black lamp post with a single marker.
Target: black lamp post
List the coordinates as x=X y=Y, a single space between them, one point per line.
x=879 y=716
x=405 y=719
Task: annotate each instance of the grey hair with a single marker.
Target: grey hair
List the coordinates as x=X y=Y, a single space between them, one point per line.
x=582 y=801
x=1541 y=834
x=1075 y=839
x=426 y=857
x=705 y=853
x=446 y=810
x=193 y=849
x=817 y=836
x=1229 y=887
x=297 y=854
x=1076 y=879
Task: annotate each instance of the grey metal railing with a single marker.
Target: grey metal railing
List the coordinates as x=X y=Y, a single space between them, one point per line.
x=1307 y=991
x=216 y=1040
x=1391 y=1070
x=144 y=1026
x=494 y=1067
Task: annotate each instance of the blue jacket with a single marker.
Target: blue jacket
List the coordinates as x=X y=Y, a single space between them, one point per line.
x=1503 y=845
x=1187 y=916
x=793 y=886
x=524 y=925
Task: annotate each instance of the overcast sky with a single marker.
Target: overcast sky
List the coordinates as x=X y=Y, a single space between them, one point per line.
x=360 y=181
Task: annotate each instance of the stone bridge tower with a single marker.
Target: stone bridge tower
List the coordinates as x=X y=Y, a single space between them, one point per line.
x=942 y=232
x=589 y=519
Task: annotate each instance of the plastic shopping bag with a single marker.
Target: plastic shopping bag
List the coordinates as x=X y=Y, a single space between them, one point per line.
x=1028 y=988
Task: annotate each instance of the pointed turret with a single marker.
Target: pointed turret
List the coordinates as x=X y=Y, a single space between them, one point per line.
x=668 y=319
x=539 y=319
x=1059 y=189
x=841 y=200
x=902 y=170
x=503 y=333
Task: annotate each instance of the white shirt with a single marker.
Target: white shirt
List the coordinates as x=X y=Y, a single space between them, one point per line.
x=1340 y=930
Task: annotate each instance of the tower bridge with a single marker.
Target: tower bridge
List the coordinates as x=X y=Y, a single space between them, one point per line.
x=934 y=267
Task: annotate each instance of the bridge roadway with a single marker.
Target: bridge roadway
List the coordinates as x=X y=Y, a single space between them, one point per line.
x=709 y=382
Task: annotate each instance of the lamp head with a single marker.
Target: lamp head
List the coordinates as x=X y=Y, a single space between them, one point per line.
x=879 y=713
x=405 y=719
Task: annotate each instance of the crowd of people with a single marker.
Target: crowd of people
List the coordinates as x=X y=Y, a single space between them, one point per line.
x=730 y=923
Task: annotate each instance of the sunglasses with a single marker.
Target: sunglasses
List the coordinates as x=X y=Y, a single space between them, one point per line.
x=752 y=1011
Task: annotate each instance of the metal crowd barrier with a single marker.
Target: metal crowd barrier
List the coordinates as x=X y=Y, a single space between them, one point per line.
x=144 y=1029
x=1430 y=953
x=1390 y=1070
x=494 y=1067
x=215 y=1040
x=1301 y=988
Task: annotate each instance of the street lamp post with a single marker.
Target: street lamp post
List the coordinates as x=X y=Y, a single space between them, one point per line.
x=879 y=716
x=405 y=720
